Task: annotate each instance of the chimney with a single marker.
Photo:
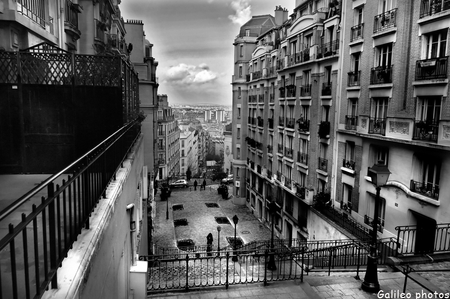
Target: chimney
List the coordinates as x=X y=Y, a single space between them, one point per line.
x=281 y=15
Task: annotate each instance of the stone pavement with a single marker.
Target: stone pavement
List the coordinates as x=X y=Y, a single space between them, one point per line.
x=339 y=285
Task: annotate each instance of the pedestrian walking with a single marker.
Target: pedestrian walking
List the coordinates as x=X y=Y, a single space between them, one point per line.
x=204 y=185
x=195 y=185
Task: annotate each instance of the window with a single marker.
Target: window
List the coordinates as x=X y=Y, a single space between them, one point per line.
x=301 y=179
x=429 y=110
x=435 y=44
x=325 y=113
x=238 y=133
x=379 y=108
x=241 y=50
x=347 y=197
x=350 y=151
x=358 y=15
x=240 y=71
x=239 y=113
x=383 y=55
x=182 y=153
x=239 y=92
x=386 y=5
x=182 y=143
x=247 y=32
x=380 y=155
x=370 y=211
x=355 y=61
x=352 y=108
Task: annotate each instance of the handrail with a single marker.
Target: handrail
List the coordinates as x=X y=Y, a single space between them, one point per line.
x=9 y=209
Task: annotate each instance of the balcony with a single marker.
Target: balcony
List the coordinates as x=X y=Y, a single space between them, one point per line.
x=161 y=161
x=427 y=189
x=33 y=10
x=301 y=191
x=288 y=152
x=305 y=90
x=377 y=126
x=282 y=92
x=369 y=221
x=269 y=149
x=247 y=78
x=261 y=98
x=434 y=68
x=281 y=121
x=256 y=75
x=432 y=7
x=290 y=93
x=348 y=164
x=303 y=125
x=279 y=176
x=323 y=164
x=270 y=123
x=302 y=158
x=381 y=75
x=280 y=149
x=290 y=123
x=271 y=98
x=326 y=89
x=269 y=174
x=71 y=19
x=260 y=122
x=426 y=130
x=357 y=32
x=354 y=79
x=328 y=49
x=288 y=183
x=351 y=122
x=324 y=129
x=385 y=21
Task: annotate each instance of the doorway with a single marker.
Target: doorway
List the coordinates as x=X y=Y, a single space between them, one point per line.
x=425 y=235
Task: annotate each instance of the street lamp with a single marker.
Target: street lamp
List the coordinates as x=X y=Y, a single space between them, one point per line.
x=218 y=240
x=379 y=174
x=235 y=221
x=273 y=207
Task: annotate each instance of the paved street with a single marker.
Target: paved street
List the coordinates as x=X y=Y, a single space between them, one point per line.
x=339 y=285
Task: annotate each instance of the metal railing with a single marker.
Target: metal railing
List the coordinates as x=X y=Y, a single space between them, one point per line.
x=326 y=89
x=432 y=7
x=302 y=158
x=354 y=78
x=357 y=32
x=281 y=121
x=303 y=125
x=381 y=75
x=385 y=20
x=323 y=164
x=428 y=189
x=71 y=14
x=433 y=68
x=350 y=164
x=305 y=90
x=32 y=9
x=290 y=122
x=351 y=121
x=377 y=126
x=408 y=236
x=35 y=248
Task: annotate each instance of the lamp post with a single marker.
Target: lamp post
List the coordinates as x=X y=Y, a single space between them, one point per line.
x=235 y=221
x=379 y=174
x=218 y=240
x=273 y=207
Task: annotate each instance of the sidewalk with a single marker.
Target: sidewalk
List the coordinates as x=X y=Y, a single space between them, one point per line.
x=316 y=285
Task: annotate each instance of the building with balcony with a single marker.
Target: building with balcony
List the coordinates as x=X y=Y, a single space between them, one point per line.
x=188 y=151
x=394 y=111
x=145 y=65
x=167 y=159
x=285 y=91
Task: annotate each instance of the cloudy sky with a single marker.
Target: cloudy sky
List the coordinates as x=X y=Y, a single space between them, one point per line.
x=193 y=43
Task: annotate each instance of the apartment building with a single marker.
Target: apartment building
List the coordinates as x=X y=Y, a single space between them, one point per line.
x=189 y=151
x=394 y=111
x=145 y=65
x=168 y=141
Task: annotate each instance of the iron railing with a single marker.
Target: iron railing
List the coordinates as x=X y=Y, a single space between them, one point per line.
x=32 y=9
x=281 y=121
x=303 y=125
x=377 y=126
x=305 y=90
x=351 y=121
x=432 y=7
x=35 y=248
x=385 y=20
x=407 y=237
x=357 y=32
x=381 y=75
x=288 y=152
x=433 y=68
x=71 y=14
x=350 y=164
x=290 y=122
x=302 y=158
x=323 y=164
x=354 y=78
x=428 y=189
x=326 y=89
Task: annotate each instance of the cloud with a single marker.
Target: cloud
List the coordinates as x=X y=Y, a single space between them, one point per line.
x=184 y=74
x=243 y=11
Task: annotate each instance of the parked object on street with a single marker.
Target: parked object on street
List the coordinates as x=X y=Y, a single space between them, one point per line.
x=179 y=184
x=228 y=179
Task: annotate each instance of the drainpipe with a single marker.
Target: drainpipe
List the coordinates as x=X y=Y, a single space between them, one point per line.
x=130 y=208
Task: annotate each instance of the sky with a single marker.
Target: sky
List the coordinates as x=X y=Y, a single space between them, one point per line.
x=193 y=43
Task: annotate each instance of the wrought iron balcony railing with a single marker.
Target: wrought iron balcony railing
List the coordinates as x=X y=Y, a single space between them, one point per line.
x=279 y=176
x=281 y=121
x=34 y=10
x=349 y=164
x=288 y=182
x=280 y=149
x=354 y=79
x=427 y=189
x=305 y=90
x=351 y=122
x=303 y=125
x=433 y=68
x=290 y=123
x=381 y=75
x=269 y=148
x=385 y=20
x=260 y=122
x=432 y=7
x=357 y=32
x=288 y=152
x=302 y=158
x=328 y=49
x=271 y=97
x=326 y=89
x=282 y=92
x=426 y=130
x=290 y=91
x=71 y=14
x=323 y=164
x=377 y=126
